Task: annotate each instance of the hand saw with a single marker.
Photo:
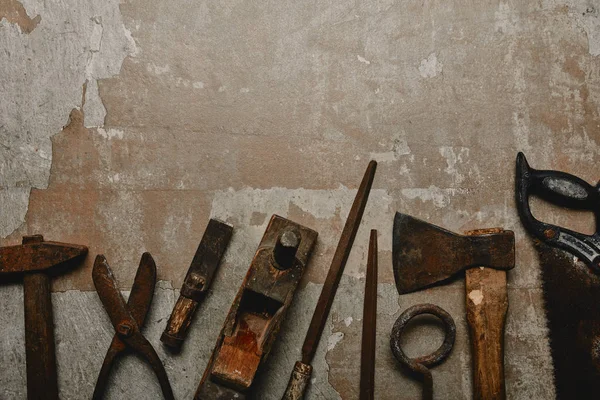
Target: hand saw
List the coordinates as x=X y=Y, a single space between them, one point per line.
x=570 y=276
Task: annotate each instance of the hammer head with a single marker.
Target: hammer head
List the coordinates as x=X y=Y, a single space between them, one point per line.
x=37 y=255
x=424 y=254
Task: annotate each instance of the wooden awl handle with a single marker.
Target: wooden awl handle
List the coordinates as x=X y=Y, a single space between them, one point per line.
x=298 y=381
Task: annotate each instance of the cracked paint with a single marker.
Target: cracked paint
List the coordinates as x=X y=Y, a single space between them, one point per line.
x=71 y=45
x=440 y=197
x=363 y=60
x=14 y=12
x=322 y=210
x=587 y=16
x=430 y=67
x=334 y=339
x=399 y=147
x=239 y=111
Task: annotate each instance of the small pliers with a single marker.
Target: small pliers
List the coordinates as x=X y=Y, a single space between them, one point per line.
x=128 y=319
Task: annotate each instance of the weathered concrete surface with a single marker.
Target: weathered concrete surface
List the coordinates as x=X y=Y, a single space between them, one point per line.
x=48 y=51
x=239 y=110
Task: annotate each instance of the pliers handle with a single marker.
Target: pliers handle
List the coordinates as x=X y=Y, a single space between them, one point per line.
x=127 y=320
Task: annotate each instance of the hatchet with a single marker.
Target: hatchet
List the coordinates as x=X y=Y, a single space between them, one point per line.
x=425 y=255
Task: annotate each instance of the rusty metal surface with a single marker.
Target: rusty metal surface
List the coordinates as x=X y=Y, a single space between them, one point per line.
x=367 y=359
x=36 y=259
x=128 y=319
x=572 y=302
x=570 y=279
x=421 y=365
x=425 y=254
x=285 y=249
x=197 y=281
x=253 y=322
x=319 y=319
x=206 y=260
x=38 y=256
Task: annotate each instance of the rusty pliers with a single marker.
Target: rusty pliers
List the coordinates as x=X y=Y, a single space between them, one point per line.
x=128 y=319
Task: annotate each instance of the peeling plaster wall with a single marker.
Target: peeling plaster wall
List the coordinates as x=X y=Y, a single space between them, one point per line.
x=126 y=125
x=46 y=61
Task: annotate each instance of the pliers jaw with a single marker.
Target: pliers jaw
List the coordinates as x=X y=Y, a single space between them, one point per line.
x=127 y=319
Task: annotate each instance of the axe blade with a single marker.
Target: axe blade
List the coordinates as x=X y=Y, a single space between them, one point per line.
x=425 y=254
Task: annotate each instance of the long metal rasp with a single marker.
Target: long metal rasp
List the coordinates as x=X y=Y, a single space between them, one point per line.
x=302 y=369
x=369 y=328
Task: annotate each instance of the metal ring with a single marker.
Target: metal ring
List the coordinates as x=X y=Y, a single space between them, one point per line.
x=417 y=364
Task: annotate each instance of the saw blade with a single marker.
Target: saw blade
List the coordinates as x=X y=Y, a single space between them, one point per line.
x=571 y=292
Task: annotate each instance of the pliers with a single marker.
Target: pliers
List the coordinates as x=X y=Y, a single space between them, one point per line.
x=128 y=319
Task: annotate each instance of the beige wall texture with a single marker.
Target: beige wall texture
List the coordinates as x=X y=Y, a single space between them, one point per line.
x=125 y=125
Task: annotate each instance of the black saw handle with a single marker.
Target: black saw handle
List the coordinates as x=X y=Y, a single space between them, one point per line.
x=562 y=189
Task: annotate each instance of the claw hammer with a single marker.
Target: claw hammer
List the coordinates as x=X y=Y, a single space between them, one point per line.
x=36 y=260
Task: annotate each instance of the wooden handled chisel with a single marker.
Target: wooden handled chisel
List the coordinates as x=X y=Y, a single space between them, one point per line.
x=197 y=282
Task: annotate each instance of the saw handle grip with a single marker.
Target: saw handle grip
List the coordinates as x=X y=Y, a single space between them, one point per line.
x=564 y=189
x=298 y=381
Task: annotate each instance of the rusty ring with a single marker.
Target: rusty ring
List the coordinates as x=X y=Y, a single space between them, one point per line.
x=418 y=364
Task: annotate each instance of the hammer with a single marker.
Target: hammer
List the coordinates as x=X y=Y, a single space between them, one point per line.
x=36 y=260
x=425 y=254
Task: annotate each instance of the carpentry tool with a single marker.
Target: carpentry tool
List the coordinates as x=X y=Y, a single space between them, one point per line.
x=302 y=369
x=425 y=254
x=37 y=260
x=128 y=319
x=571 y=286
x=421 y=365
x=197 y=282
x=255 y=317
x=369 y=328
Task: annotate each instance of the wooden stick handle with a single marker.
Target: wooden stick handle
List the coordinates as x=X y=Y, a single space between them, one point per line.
x=179 y=322
x=487 y=305
x=298 y=381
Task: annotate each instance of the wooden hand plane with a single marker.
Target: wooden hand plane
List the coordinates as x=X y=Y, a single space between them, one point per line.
x=258 y=309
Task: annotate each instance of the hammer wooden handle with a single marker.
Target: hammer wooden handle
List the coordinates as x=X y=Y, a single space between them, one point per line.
x=487 y=304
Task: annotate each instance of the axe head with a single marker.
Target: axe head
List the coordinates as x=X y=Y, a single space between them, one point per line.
x=424 y=254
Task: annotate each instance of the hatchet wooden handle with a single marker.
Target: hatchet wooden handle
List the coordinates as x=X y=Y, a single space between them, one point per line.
x=487 y=305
